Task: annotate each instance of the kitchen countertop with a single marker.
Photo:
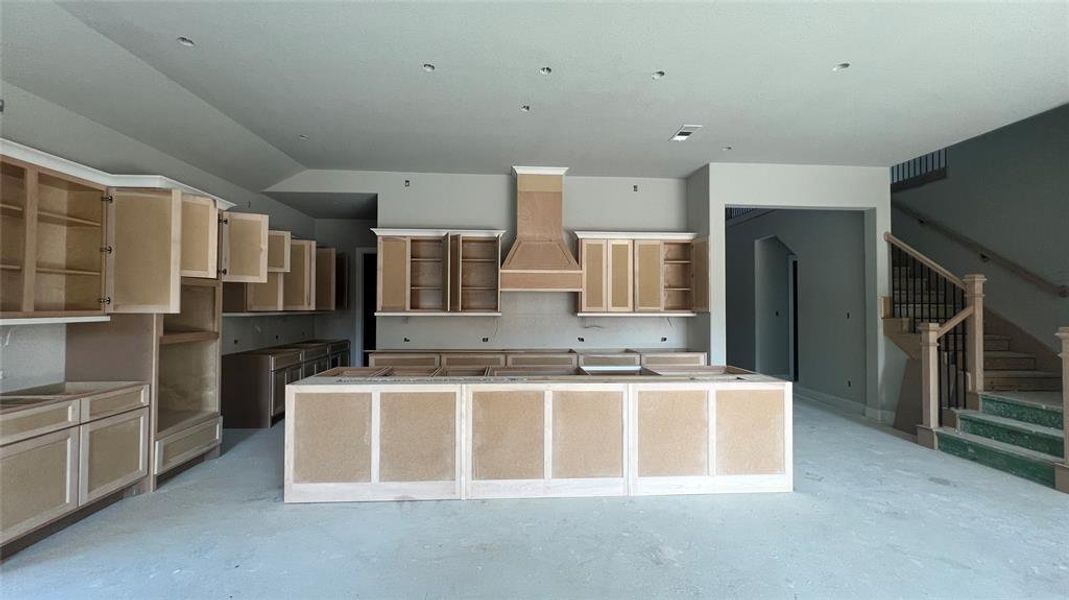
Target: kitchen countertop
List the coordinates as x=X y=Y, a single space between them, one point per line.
x=365 y=375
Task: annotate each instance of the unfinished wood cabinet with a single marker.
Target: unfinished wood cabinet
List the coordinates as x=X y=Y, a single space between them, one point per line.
x=144 y=251
x=243 y=247
x=325 y=282
x=200 y=237
x=113 y=454
x=39 y=477
x=278 y=251
x=299 y=285
x=643 y=274
x=404 y=359
x=437 y=272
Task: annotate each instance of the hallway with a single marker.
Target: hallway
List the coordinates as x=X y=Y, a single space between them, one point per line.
x=872 y=516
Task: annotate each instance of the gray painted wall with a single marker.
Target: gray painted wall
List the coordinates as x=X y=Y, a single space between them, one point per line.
x=548 y=320
x=1009 y=190
x=31 y=355
x=771 y=306
x=831 y=284
x=345 y=235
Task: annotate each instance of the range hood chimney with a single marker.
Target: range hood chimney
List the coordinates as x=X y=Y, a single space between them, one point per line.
x=540 y=260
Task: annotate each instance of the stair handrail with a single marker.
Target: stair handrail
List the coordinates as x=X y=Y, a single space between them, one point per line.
x=931 y=264
x=1061 y=472
x=987 y=254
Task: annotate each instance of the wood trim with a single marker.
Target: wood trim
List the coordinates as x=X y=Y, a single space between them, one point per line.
x=1062 y=291
x=423 y=233
x=29 y=247
x=931 y=264
x=954 y=321
x=668 y=236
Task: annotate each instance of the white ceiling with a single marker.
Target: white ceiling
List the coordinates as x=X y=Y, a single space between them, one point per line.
x=758 y=76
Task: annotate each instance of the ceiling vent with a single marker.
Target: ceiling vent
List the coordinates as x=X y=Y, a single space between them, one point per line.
x=684 y=133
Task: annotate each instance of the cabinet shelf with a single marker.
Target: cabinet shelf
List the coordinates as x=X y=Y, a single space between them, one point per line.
x=11 y=210
x=65 y=271
x=681 y=261
x=479 y=260
x=65 y=220
x=185 y=337
x=169 y=420
x=428 y=260
x=677 y=289
x=7 y=267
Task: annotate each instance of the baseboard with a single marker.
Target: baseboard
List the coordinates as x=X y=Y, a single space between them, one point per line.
x=840 y=403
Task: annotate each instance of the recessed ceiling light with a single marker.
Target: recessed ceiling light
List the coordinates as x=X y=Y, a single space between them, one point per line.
x=188 y=43
x=657 y=74
x=841 y=66
x=526 y=108
x=302 y=136
x=727 y=148
x=428 y=67
x=545 y=70
x=684 y=133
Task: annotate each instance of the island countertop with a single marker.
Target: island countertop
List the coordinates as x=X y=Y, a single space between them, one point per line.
x=402 y=433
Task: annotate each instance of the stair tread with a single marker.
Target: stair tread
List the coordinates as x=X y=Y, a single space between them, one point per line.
x=1001 y=446
x=1024 y=426
x=1042 y=400
x=1022 y=374
x=1006 y=354
x=995 y=336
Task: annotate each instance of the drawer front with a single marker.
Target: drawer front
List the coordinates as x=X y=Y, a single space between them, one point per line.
x=610 y=360
x=39 y=477
x=113 y=403
x=32 y=422
x=404 y=360
x=187 y=444
x=113 y=454
x=543 y=360
x=688 y=359
x=473 y=360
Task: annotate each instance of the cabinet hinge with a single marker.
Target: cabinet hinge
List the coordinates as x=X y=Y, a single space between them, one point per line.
x=108 y=199
x=105 y=300
x=105 y=250
x=224 y=220
x=222 y=271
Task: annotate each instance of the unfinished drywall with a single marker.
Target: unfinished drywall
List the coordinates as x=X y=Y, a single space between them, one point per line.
x=529 y=320
x=1009 y=191
x=832 y=334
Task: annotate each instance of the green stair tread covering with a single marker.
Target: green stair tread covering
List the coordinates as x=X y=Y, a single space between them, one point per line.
x=1029 y=407
x=1028 y=464
x=1047 y=440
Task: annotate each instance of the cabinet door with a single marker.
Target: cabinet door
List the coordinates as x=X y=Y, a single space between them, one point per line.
x=200 y=233
x=243 y=247
x=325 y=273
x=455 y=255
x=620 y=276
x=649 y=280
x=393 y=274
x=278 y=251
x=592 y=254
x=279 y=379
x=39 y=477
x=144 y=265
x=113 y=454
x=700 y=260
x=264 y=296
x=298 y=286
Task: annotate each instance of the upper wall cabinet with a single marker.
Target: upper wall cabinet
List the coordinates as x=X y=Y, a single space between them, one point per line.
x=73 y=248
x=325 y=282
x=278 y=251
x=200 y=237
x=438 y=272
x=643 y=274
x=243 y=247
x=299 y=285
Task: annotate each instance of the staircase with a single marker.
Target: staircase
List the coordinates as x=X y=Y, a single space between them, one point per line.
x=1018 y=425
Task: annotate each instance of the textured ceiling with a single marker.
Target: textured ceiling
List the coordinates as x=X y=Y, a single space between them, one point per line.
x=348 y=75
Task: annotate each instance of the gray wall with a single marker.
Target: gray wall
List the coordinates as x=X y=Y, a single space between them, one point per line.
x=830 y=246
x=1009 y=190
x=771 y=306
x=436 y=200
x=345 y=235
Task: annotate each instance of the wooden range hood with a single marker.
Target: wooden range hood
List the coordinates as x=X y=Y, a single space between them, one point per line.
x=540 y=260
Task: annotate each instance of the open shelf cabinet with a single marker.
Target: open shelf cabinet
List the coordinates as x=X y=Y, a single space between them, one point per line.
x=438 y=272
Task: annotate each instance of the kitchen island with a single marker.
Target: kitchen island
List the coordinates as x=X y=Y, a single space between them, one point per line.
x=397 y=433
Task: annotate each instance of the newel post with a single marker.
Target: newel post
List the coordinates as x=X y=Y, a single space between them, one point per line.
x=974 y=353
x=1061 y=472
x=929 y=385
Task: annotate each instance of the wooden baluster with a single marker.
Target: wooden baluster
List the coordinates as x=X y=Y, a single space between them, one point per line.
x=1061 y=472
x=974 y=353
x=929 y=385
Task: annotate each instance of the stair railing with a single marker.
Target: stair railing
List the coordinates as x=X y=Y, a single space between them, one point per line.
x=1061 y=472
x=948 y=313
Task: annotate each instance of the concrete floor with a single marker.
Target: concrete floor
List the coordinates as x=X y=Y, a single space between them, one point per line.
x=873 y=516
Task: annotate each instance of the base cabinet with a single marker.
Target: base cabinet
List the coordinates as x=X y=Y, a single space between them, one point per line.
x=114 y=454
x=39 y=479
x=187 y=444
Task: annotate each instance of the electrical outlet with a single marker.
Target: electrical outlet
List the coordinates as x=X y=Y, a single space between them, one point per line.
x=581 y=339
